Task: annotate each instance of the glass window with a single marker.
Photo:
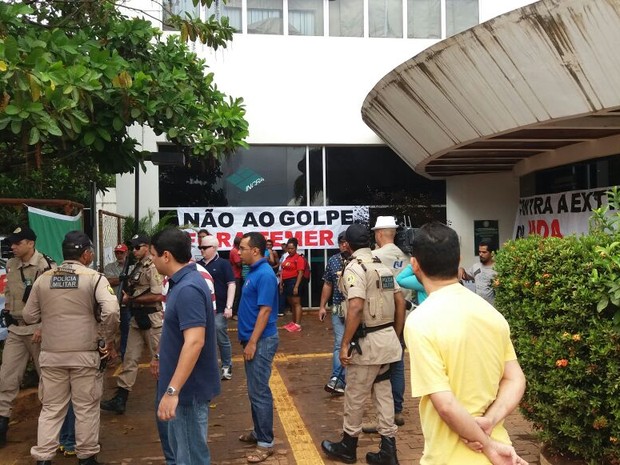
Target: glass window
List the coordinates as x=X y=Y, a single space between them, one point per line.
x=305 y=17
x=316 y=177
x=260 y=175
x=385 y=18
x=424 y=19
x=265 y=17
x=346 y=18
x=460 y=15
x=178 y=7
x=231 y=9
x=377 y=176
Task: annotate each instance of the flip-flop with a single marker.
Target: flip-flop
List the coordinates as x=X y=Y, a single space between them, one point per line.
x=260 y=454
x=248 y=437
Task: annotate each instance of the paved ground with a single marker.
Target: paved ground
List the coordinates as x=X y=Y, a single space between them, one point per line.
x=305 y=414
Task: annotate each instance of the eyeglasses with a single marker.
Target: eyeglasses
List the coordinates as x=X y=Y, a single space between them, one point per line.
x=205 y=247
x=138 y=247
x=245 y=248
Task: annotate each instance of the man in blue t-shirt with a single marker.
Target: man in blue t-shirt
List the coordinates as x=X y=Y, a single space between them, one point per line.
x=224 y=283
x=258 y=334
x=188 y=371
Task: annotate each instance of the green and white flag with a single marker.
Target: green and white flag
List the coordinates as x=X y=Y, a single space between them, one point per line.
x=51 y=228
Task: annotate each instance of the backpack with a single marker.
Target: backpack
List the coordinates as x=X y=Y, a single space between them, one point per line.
x=306 y=275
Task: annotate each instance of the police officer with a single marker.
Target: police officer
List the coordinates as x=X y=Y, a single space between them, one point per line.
x=79 y=315
x=374 y=320
x=143 y=298
x=23 y=341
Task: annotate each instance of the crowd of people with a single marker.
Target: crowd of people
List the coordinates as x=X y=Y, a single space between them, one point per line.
x=177 y=310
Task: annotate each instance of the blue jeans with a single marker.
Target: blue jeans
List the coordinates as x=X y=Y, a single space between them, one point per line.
x=67 y=432
x=162 y=429
x=125 y=317
x=338 y=328
x=258 y=372
x=397 y=378
x=223 y=341
x=187 y=433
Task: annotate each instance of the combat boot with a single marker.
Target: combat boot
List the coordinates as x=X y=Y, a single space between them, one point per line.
x=116 y=403
x=92 y=460
x=4 y=427
x=344 y=451
x=386 y=454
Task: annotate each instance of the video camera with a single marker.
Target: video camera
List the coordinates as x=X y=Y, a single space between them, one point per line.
x=404 y=239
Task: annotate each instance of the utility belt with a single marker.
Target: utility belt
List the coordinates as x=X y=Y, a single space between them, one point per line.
x=362 y=331
x=141 y=315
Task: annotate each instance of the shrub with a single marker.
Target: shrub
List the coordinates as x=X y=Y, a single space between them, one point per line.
x=569 y=349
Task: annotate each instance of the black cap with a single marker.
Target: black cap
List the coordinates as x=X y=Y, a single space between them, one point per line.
x=21 y=233
x=76 y=240
x=139 y=239
x=341 y=237
x=357 y=234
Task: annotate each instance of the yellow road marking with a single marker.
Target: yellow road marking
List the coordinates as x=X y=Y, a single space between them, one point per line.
x=302 y=446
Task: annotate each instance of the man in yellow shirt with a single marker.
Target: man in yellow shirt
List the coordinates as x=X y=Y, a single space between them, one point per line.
x=463 y=364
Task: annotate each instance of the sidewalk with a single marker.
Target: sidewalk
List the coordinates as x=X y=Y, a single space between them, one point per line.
x=305 y=414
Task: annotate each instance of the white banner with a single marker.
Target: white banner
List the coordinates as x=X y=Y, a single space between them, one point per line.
x=314 y=227
x=558 y=215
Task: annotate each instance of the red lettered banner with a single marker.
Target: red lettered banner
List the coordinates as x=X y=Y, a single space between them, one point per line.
x=314 y=227
x=558 y=215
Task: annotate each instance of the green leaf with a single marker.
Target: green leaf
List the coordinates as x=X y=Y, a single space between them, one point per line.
x=89 y=138
x=12 y=110
x=11 y=50
x=117 y=123
x=35 y=136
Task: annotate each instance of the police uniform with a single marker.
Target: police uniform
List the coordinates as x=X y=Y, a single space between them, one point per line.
x=77 y=308
x=372 y=348
x=370 y=280
x=18 y=347
x=144 y=278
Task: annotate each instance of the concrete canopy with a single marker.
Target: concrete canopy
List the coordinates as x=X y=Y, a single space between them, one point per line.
x=541 y=82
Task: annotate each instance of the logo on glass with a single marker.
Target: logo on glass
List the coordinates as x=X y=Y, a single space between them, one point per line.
x=245 y=179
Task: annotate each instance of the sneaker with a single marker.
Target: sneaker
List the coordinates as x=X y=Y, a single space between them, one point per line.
x=338 y=389
x=287 y=326
x=331 y=385
x=280 y=313
x=335 y=387
x=226 y=372
x=369 y=428
x=294 y=328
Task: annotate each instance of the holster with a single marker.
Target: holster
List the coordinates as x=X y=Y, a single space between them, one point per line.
x=141 y=315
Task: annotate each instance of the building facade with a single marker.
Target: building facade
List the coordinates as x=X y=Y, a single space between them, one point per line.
x=306 y=68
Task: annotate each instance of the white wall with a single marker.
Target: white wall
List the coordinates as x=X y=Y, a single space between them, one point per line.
x=297 y=90
x=481 y=197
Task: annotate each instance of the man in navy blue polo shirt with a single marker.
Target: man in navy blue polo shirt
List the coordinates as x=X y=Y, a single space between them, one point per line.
x=188 y=371
x=224 y=283
x=258 y=314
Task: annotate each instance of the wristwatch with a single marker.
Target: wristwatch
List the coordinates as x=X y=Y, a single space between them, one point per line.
x=227 y=308
x=156 y=357
x=171 y=391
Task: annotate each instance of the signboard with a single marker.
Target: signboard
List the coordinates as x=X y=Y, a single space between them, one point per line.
x=314 y=227
x=558 y=215
x=486 y=230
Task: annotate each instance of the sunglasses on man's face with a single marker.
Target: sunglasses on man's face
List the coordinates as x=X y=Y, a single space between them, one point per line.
x=138 y=247
x=205 y=247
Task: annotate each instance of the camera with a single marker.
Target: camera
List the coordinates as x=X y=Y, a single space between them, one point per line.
x=404 y=239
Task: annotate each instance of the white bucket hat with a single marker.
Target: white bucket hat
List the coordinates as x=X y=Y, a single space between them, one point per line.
x=385 y=222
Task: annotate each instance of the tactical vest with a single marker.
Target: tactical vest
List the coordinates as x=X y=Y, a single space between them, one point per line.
x=379 y=305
